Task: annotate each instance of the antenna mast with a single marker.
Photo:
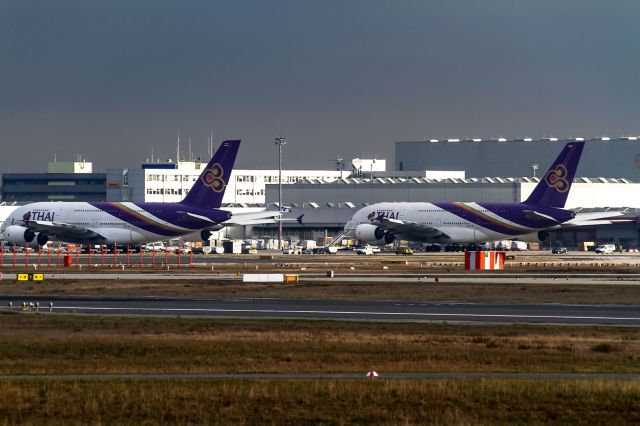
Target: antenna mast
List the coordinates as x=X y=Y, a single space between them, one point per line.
x=178 y=148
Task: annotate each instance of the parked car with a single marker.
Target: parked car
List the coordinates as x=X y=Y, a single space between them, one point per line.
x=366 y=250
x=559 y=250
x=9 y=247
x=605 y=249
x=157 y=246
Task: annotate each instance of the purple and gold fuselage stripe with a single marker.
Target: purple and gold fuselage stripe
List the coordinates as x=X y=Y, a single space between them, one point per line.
x=136 y=219
x=483 y=220
x=148 y=220
x=492 y=219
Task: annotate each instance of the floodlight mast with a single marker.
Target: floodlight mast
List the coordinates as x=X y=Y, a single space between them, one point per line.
x=280 y=141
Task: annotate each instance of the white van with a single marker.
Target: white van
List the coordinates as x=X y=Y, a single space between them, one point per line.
x=157 y=246
x=605 y=248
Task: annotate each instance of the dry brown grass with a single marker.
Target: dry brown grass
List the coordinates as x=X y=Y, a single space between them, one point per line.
x=31 y=344
x=244 y=402
x=477 y=292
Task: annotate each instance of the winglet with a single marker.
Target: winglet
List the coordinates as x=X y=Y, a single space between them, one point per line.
x=553 y=188
x=299 y=218
x=208 y=190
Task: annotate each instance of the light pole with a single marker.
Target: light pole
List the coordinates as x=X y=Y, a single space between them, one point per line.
x=280 y=141
x=535 y=166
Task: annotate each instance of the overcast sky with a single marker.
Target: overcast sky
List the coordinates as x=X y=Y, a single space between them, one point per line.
x=111 y=79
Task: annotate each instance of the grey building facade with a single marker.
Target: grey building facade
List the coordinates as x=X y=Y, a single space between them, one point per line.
x=26 y=187
x=614 y=158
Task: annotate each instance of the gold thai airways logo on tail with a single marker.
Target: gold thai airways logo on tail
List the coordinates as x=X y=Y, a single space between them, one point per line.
x=212 y=178
x=557 y=178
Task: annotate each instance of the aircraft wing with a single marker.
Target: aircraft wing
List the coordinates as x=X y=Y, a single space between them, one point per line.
x=410 y=230
x=62 y=229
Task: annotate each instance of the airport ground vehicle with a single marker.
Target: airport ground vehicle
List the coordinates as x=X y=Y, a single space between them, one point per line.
x=121 y=248
x=182 y=249
x=404 y=250
x=366 y=250
x=157 y=247
x=559 y=250
x=326 y=250
x=518 y=246
x=605 y=249
x=292 y=250
x=94 y=248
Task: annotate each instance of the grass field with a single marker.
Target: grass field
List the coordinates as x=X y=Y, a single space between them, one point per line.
x=59 y=344
x=32 y=344
x=319 y=402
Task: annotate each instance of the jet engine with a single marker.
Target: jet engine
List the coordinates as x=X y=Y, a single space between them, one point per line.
x=19 y=234
x=535 y=237
x=42 y=238
x=373 y=234
x=205 y=234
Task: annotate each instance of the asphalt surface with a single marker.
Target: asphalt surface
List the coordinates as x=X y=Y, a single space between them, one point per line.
x=451 y=278
x=334 y=310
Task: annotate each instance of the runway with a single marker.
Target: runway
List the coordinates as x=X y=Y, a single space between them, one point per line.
x=350 y=310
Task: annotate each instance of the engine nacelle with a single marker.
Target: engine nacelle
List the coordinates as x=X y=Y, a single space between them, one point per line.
x=42 y=238
x=373 y=234
x=205 y=234
x=19 y=235
x=536 y=237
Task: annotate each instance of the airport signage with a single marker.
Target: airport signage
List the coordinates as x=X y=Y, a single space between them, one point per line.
x=31 y=277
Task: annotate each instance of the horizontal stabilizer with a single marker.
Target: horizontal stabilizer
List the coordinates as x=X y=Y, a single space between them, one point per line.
x=196 y=216
x=534 y=215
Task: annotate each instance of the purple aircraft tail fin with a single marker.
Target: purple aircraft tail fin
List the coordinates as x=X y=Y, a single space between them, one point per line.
x=553 y=189
x=208 y=190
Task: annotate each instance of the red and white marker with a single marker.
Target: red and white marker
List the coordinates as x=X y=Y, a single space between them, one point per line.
x=372 y=374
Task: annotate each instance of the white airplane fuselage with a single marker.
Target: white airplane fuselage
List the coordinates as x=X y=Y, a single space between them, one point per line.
x=450 y=222
x=121 y=223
